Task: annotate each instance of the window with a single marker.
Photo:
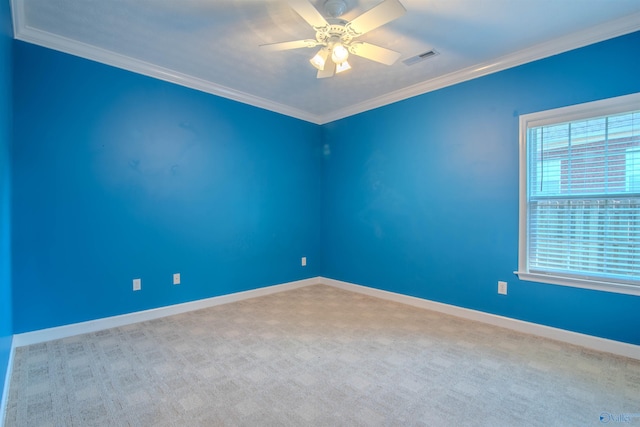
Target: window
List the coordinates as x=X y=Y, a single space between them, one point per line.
x=580 y=196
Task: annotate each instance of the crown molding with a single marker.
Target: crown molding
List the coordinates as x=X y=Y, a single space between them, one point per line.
x=73 y=47
x=591 y=35
x=608 y=30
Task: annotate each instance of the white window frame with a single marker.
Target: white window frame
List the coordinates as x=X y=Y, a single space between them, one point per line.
x=600 y=108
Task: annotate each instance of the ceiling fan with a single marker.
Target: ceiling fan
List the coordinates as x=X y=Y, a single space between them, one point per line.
x=337 y=38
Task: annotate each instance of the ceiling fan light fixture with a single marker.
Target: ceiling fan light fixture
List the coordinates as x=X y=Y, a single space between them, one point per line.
x=339 y=53
x=320 y=59
x=343 y=66
x=336 y=37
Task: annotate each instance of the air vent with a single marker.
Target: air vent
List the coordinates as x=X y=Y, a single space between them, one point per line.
x=415 y=59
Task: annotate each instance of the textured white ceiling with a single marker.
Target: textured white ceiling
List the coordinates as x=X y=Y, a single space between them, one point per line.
x=213 y=45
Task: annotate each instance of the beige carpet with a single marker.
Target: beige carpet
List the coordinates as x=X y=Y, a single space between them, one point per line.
x=317 y=356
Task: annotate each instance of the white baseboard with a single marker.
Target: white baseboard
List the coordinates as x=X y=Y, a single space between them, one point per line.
x=65 y=331
x=583 y=340
x=588 y=341
x=4 y=399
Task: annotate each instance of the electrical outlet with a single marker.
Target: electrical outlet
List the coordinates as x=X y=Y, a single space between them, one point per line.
x=502 y=288
x=176 y=278
x=303 y=262
x=137 y=284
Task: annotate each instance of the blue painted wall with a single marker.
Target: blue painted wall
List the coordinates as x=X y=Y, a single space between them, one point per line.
x=118 y=176
x=6 y=329
x=421 y=197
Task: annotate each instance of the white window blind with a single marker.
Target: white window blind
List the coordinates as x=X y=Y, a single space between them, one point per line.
x=580 y=199
x=633 y=170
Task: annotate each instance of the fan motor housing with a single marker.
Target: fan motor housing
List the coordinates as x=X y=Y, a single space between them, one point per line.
x=333 y=33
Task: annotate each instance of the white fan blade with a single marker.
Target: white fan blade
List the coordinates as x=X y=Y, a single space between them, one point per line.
x=377 y=16
x=374 y=53
x=297 y=44
x=308 y=12
x=329 y=69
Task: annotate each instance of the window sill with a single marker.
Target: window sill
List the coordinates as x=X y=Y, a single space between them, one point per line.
x=620 y=288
